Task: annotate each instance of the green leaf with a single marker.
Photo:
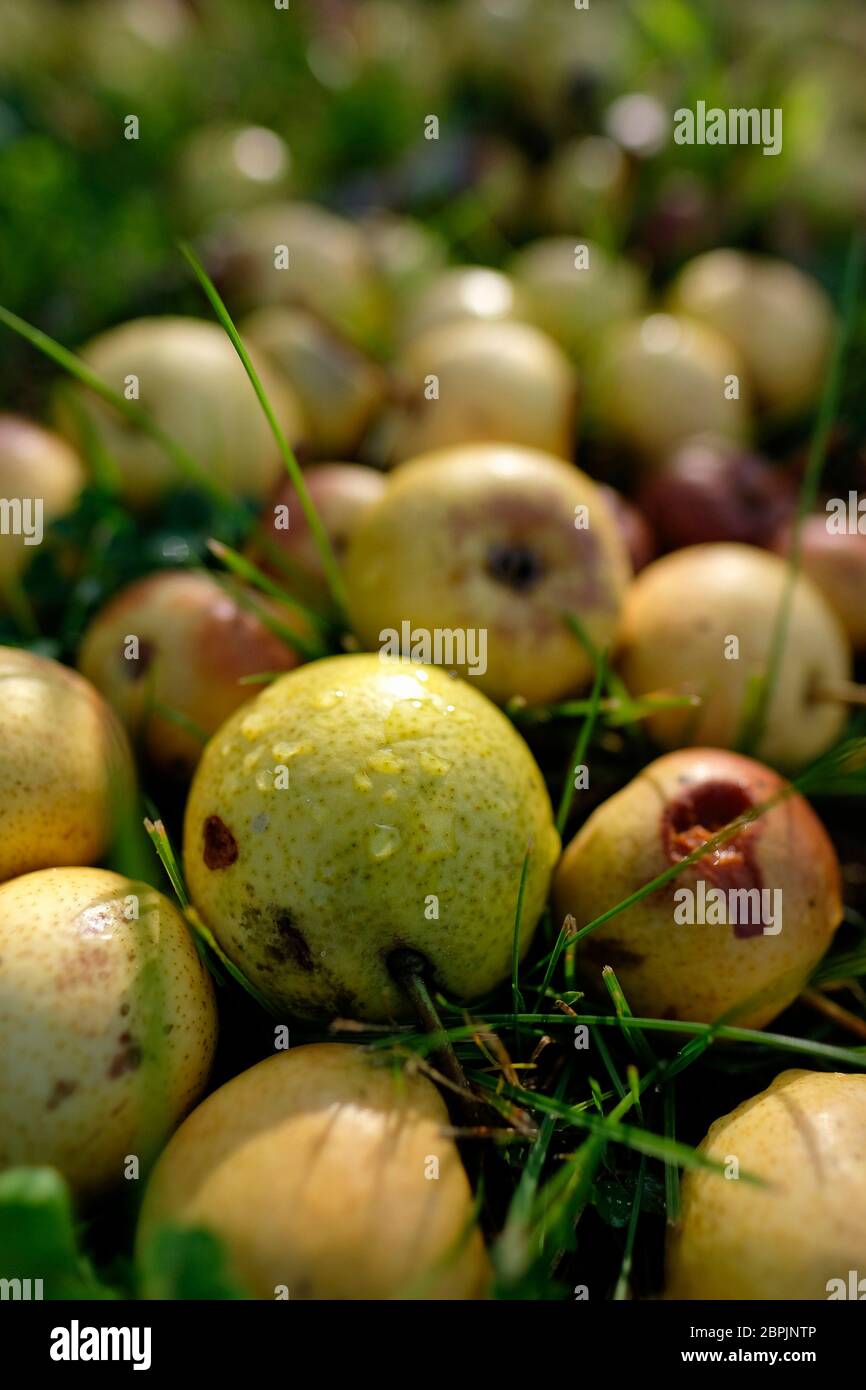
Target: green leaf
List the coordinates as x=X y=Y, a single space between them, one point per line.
x=38 y=1239
x=186 y=1264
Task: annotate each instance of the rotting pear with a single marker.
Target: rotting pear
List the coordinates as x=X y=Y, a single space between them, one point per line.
x=66 y=771
x=779 y=320
x=801 y=1232
x=325 y=1173
x=740 y=929
x=190 y=381
x=107 y=1023
x=178 y=639
x=43 y=475
x=701 y=622
x=494 y=540
x=662 y=379
x=473 y=381
x=359 y=805
x=340 y=390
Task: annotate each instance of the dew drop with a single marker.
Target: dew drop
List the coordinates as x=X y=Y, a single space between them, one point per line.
x=384 y=841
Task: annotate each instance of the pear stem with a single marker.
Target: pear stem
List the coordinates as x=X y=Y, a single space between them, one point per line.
x=841 y=692
x=409 y=969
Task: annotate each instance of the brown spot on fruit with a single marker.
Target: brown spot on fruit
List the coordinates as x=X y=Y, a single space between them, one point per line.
x=220 y=845
x=518 y=567
x=134 y=670
x=61 y=1091
x=128 y=1058
x=694 y=817
x=290 y=945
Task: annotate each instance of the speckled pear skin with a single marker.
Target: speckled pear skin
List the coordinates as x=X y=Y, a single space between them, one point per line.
x=65 y=766
x=699 y=971
x=107 y=1023
x=405 y=786
x=314 y=1169
x=806 y=1137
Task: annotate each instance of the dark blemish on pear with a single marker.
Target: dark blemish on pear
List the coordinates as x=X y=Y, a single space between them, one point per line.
x=127 y=1059
x=290 y=945
x=135 y=669
x=62 y=1090
x=697 y=814
x=220 y=845
x=518 y=567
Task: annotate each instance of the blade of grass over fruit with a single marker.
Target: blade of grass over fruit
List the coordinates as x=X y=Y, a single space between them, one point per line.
x=320 y=535
x=182 y=721
x=245 y=569
x=511 y=1253
x=204 y=934
x=582 y=743
x=613 y=682
x=672 y=1172
x=827 y=410
x=623 y=1282
x=184 y=462
x=641 y=1047
x=516 y=996
x=312 y=651
x=261 y=678
x=167 y=857
x=616 y=710
x=104 y=469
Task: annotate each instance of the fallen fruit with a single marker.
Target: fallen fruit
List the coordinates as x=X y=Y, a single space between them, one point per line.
x=701 y=622
x=359 y=805
x=835 y=561
x=801 y=1234
x=575 y=290
x=325 y=1174
x=65 y=766
x=41 y=478
x=744 y=925
x=107 y=1024
x=497 y=543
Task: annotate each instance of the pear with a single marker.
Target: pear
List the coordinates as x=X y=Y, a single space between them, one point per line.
x=179 y=640
x=585 y=183
x=190 y=381
x=107 y=1023
x=473 y=292
x=340 y=390
x=779 y=320
x=835 y=561
x=326 y=1174
x=361 y=804
x=284 y=545
x=406 y=253
x=500 y=541
x=753 y=953
x=575 y=290
x=802 y=1233
x=701 y=622
x=65 y=766
x=36 y=466
x=662 y=379
x=475 y=381
x=301 y=255
x=226 y=166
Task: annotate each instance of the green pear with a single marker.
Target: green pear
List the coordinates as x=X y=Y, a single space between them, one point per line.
x=752 y=952
x=326 y=1173
x=576 y=290
x=701 y=622
x=801 y=1233
x=359 y=805
x=107 y=1023
x=65 y=766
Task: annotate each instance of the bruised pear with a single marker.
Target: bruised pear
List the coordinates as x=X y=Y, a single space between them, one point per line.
x=169 y=653
x=326 y=1174
x=65 y=766
x=740 y=929
x=359 y=805
x=801 y=1232
x=495 y=543
x=700 y=622
x=107 y=1023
